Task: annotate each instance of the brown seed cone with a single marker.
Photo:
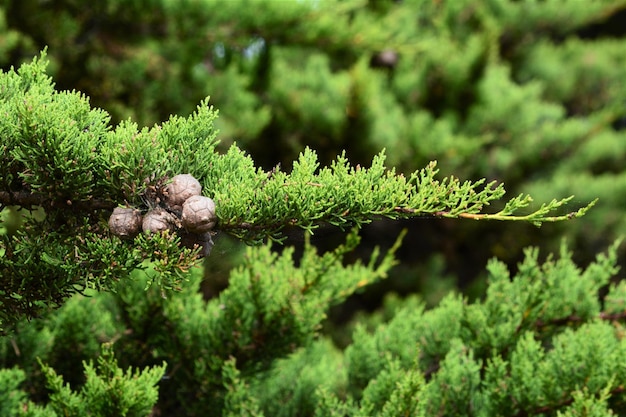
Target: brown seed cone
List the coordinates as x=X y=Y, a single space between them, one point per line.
x=199 y=214
x=180 y=189
x=158 y=220
x=125 y=222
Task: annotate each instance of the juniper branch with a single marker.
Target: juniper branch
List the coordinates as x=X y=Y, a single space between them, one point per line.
x=59 y=153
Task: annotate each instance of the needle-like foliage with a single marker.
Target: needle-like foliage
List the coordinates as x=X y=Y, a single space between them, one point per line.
x=62 y=156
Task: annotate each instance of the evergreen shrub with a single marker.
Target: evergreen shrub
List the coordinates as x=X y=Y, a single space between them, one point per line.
x=527 y=92
x=546 y=340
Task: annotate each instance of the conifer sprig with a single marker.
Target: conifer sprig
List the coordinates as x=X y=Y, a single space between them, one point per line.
x=344 y=195
x=60 y=154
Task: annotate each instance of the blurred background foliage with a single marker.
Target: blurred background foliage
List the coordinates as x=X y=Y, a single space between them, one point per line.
x=530 y=93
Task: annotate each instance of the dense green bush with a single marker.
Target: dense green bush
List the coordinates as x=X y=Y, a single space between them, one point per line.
x=527 y=92
x=540 y=342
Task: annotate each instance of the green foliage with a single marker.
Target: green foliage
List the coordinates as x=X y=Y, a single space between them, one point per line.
x=527 y=92
x=238 y=400
x=11 y=397
x=537 y=343
x=61 y=155
x=547 y=340
x=530 y=92
x=319 y=366
x=273 y=306
x=108 y=390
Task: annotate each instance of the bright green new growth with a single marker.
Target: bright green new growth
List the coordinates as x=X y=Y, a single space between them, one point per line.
x=108 y=391
x=540 y=342
x=529 y=92
x=271 y=308
x=63 y=156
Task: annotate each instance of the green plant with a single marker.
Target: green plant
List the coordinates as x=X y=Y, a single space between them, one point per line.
x=492 y=90
x=60 y=155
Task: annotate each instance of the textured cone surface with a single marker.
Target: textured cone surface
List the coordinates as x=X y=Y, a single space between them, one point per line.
x=158 y=220
x=181 y=188
x=199 y=214
x=125 y=222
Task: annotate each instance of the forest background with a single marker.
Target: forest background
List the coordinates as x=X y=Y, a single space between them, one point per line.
x=530 y=94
